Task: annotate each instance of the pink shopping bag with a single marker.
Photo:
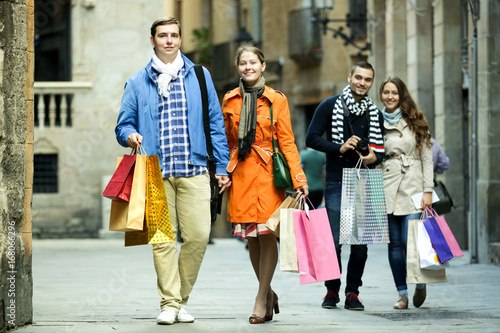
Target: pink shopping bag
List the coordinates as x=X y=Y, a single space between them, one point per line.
x=316 y=253
x=448 y=235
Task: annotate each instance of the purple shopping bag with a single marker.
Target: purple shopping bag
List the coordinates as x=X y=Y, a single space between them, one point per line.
x=448 y=235
x=438 y=240
x=316 y=253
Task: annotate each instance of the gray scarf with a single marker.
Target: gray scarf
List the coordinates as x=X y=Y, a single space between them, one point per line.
x=248 y=116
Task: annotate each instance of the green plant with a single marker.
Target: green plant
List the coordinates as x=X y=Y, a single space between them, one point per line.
x=204 y=45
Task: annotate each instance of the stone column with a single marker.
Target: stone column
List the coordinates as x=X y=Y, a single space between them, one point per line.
x=16 y=171
x=488 y=127
x=395 y=17
x=448 y=119
x=419 y=56
x=377 y=37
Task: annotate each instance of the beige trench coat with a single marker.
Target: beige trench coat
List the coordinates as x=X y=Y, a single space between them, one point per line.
x=406 y=170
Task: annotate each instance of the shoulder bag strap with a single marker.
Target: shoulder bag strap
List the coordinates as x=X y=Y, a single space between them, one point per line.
x=272 y=130
x=206 y=123
x=214 y=189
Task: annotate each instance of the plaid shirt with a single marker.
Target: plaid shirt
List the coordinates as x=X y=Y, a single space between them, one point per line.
x=174 y=139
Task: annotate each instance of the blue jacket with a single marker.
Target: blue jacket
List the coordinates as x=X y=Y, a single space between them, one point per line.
x=139 y=114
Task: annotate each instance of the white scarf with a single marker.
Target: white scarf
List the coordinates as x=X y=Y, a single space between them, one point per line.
x=168 y=72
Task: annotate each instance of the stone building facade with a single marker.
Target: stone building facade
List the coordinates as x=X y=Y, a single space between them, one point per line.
x=16 y=171
x=105 y=43
x=426 y=43
x=302 y=62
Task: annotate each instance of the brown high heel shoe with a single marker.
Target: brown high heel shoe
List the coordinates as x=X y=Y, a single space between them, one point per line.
x=275 y=307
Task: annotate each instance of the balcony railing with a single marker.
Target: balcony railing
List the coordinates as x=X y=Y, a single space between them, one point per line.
x=53 y=102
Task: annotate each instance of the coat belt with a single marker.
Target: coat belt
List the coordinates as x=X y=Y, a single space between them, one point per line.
x=264 y=153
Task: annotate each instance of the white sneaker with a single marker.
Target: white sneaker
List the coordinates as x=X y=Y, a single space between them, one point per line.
x=167 y=317
x=184 y=316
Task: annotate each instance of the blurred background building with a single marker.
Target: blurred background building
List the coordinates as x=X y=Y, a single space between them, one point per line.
x=445 y=50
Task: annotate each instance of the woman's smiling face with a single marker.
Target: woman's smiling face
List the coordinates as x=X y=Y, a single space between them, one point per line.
x=250 y=68
x=390 y=97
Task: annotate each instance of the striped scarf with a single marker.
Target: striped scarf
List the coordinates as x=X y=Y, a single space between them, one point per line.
x=375 y=136
x=248 y=115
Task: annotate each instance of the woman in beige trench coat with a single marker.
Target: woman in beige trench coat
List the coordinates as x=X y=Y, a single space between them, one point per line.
x=407 y=170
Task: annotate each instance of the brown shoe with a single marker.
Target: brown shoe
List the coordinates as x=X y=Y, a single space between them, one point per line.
x=402 y=302
x=419 y=297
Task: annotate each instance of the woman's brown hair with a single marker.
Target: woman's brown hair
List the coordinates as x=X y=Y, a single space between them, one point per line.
x=413 y=116
x=249 y=48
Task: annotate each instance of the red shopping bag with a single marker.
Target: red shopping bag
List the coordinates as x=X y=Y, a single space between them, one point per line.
x=120 y=185
x=316 y=253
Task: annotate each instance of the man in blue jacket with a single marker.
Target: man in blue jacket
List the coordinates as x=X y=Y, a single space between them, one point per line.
x=346 y=119
x=162 y=110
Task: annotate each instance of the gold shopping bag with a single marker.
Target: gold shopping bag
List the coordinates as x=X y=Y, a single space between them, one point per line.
x=158 y=227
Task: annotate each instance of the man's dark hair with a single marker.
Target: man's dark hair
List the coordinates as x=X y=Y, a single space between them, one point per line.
x=362 y=64
x=165 y=21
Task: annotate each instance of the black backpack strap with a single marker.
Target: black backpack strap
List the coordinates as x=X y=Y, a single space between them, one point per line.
x=216 y=199
x=204 y=99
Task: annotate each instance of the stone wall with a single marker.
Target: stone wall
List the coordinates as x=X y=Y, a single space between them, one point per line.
x=109 y=44
x=16 y=156
x=488 y=186
x=423 y=47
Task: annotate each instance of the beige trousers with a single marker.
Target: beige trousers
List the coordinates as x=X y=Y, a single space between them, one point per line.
x=189 y=202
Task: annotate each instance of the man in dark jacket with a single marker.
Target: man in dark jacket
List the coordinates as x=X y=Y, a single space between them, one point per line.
x=361 y=121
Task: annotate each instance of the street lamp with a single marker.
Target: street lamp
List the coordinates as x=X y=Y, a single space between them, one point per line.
x=243 y=37
x=321 y=14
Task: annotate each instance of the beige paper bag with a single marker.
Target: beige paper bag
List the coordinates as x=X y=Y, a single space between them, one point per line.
x=288 y=246
x=129 y=216
x=273 y=223
x=413 y=271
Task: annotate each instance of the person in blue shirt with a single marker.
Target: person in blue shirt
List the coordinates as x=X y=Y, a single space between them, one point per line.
x=162 y=111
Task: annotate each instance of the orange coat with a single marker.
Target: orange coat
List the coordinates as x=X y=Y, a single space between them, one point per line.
x=253 y=196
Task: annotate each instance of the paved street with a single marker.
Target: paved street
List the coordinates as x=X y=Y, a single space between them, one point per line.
x=94 y=285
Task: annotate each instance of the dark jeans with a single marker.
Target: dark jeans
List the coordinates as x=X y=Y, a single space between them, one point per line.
x=359 y=253
x=398 y=236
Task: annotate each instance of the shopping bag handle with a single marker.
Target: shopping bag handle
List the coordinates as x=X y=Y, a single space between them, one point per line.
x=427 y=213
x=139 y=151
x=358 y=166
x=433 y=212
x=300 y=202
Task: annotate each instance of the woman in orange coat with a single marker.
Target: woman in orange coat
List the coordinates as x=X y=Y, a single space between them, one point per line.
x=253 y=197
